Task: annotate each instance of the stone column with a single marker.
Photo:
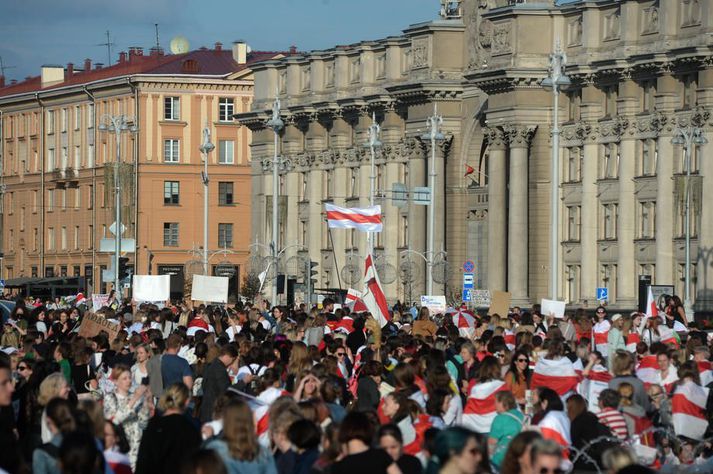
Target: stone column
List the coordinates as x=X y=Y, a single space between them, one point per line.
x=627 y=283
x=497 y=210
x=518 y=213
x=589 y=220
x=703 y=290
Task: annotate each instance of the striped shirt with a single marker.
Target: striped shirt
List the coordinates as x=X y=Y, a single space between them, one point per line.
x=614 y=420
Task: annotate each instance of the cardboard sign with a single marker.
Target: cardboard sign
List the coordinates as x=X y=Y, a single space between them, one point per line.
x=552 y=307
x=500 y=303
x=152 y=287
x=99 y=301
x=92 y=324
x=435 y=304
x=210 y=288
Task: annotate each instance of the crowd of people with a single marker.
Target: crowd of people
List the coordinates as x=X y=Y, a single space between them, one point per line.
x=253 y=389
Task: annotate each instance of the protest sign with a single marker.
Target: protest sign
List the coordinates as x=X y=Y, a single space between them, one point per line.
x=548 y=307
x=435 y=304
x=210 y=288
x=152 y=287
x=499 y=303
x=480 y=298
x=99 y=301
x=92 y=324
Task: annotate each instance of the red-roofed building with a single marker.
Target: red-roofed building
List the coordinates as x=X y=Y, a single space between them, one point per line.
x=58 y=166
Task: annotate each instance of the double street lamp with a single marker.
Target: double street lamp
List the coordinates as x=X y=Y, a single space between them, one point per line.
x=434 y=134
x=557 y=81
x=117 y=124
x=206 y=147
x=276 y=124
x=688 y=137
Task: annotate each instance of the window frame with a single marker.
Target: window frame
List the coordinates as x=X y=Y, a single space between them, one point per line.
x=171 y=193
x=223 y=193
x=172 y=108
x=222 y=152
x=171 y=234
x=225 y=235
x=226 y=109
x=174 y=145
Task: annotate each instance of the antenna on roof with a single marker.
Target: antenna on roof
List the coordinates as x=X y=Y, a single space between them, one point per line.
x=158 y=43
x=3 y=67
x=108 y=45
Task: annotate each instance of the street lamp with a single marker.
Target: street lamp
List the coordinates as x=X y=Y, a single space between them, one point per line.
x=434 y=134
x=205 y=148
x=373 y=144
x=688 y=137
x=555 y=82
x=276 y=124
x=117 y=124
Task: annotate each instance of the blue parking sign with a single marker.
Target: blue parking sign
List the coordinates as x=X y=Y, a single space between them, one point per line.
x=602 y=294
x=467 y=295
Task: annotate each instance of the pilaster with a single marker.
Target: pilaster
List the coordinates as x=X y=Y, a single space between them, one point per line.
x=497 y=209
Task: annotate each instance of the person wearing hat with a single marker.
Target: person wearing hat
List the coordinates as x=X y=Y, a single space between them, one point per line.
x=615 y=339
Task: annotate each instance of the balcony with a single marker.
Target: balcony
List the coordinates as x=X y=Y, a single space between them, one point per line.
x=65 y=177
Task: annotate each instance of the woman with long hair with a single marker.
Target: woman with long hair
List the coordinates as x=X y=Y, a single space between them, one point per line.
x=517 y=379
x=391 y=440
x=356 y=437
x=299 y=362
x=127 y=407
x=457 y=450
x=517 y=456
x=551 y=417
x=171 y=438
x=139 y=372
x=60 y=421
x=238 y=445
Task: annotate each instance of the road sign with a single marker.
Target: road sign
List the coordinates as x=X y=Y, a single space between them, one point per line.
x=421 y=196
x=109 y=245
x=112 y=228
x=2 y=284
x=602 y=294
x=468 y=281
x=469 y=266
x=467 y=295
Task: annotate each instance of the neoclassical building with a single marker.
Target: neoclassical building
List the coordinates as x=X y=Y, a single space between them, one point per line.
x=639 y=70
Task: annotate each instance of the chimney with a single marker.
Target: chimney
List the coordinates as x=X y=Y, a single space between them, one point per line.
x=218 y=46
x=122 y=57
x=70 y=69
x=51 y=75
x=2 y=81
x=156 y=51
x=135 y=51
x=98 y=66
x=240 y=52
x=87 y=65
x=293 y=49
x=13 y=82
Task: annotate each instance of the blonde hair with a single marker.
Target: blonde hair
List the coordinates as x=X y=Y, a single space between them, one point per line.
x=299 y=359
x=174 y=397
x=118 y=370
x=50 y=388
x=239 y=431
x=617 y=458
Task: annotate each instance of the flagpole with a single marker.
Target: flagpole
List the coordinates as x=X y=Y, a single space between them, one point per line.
x=334 y=254
x=374 y=142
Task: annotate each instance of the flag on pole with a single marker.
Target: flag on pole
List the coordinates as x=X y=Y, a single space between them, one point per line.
x=364 y=219
x=354 y=302
x=651 y=310
x=468 y=170
x=373 y=296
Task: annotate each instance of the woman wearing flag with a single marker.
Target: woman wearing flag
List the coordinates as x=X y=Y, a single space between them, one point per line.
x=551 y=418
x=688 y=404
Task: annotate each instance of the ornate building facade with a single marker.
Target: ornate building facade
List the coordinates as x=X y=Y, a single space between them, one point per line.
x=639 y=69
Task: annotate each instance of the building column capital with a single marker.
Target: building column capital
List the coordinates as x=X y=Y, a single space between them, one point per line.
x=495 y=137
x=519 y=136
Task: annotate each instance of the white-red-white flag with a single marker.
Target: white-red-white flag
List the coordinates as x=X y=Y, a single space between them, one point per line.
x=688 y=407
x=354 y=302
x=555 y=426
x=559 y=375
x=651 y=310
x=601 y=335
x=648 y=370
x=479 y=411
x=364 y=219
x=373 y=296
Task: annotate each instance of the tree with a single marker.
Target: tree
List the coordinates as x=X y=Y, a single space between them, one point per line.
x=251 y=286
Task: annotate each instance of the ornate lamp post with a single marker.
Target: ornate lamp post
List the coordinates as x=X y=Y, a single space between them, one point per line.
x=205 y=148
x=276 y=124
x=434 y=134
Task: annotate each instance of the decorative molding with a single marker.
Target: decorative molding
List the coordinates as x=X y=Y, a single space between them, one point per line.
x=502 y=39
x=495 y=137
x=519 y=135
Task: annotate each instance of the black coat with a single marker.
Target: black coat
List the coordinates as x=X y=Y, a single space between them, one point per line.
x=167 y=443
x=215 y=383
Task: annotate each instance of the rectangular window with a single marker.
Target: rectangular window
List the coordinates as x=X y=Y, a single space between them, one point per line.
x=76 y=270
x=226 y=109
x=693 y=224
x=51 y=160
x=77 y=117
x=64 y=158
x=171 y=192
x=572 y=274
x=90 y=156
x=76 y=237
x=22 y=219
x=646 y=219
x=90 y=115
x=403 y=232
x=225 y=236
x=171 y=150
x=77 y=198
x=50 y=238
x=574 y=223
x=608 y=223
x=574 y=165
x=354 y=182
x=226 y=152
x=648 y=269
x=609 y=166
x=63 y=199
x=90 y=197
x=63 y=238
x=611 y=94
x=50 y=200
x=35 y=198
x=64 y=119
x=647 y=157
x=303 y=233
x=648 y=95
x=63 y=270
x=170 y=234
x=225 y=193
x=50 y=121
x=49 y=272
x=303 y=186
x=33 y=272
x=35 y=238
x=608 y=279
x=77 y=157
x=90 y=237
x=171 y=108
x=689 y=96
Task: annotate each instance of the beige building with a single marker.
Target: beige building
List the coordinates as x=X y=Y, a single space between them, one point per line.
x=640 y=69
x=58 y=167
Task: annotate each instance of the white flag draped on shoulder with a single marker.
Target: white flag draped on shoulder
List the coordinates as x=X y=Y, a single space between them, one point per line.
x=364 y=219
x=373 y=296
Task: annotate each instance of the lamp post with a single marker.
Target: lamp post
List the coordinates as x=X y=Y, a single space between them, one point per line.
x=688 y=137
x=555 y=82
x=206 y=147
x=373 y=144
x=117 y=124
x=276 y=124
x=434 y=134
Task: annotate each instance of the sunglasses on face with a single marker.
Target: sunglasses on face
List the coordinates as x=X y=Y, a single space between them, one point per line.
x=21 y=368
x=341 y=354
x=522 y=360
x=600 y=312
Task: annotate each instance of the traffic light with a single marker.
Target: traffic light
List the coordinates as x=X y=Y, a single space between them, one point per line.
x=313 y=274
x=123 y=268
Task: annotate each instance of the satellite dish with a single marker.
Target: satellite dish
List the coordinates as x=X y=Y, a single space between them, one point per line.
x=179 y=45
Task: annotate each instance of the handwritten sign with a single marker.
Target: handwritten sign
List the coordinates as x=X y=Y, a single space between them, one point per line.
x=435 y=304
x=93 y=324
x=99 y=301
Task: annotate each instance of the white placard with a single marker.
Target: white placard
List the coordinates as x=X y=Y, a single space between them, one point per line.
x=210 y=288
x=99 y=301
x=480 y=298
x=435 y=304
x=152 y=287
x=552 y=307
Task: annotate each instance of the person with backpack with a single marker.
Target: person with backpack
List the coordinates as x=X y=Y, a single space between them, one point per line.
x=60 y=421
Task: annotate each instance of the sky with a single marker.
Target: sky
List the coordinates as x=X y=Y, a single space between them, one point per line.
x=37 y=32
